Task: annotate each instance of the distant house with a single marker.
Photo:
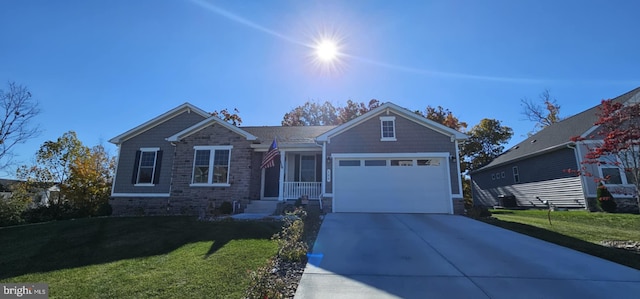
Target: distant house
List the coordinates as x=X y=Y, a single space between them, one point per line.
x=41 y=197
x=6 y=187
x=533 y=171
x=186 y=161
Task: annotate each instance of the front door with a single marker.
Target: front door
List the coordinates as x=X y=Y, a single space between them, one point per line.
x=271 y=180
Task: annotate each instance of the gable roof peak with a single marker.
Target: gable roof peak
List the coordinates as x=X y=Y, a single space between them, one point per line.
x=212 y=119
x=185 y=107
x=404 y=112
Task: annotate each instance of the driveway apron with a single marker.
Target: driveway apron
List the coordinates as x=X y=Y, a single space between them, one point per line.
x=360 y=255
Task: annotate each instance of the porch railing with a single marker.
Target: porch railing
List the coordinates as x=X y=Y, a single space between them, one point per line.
x=295 y=190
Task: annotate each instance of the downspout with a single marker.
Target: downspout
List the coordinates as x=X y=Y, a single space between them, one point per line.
x=582 y=177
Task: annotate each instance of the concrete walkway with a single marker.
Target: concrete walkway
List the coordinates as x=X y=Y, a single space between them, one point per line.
x=447 y=256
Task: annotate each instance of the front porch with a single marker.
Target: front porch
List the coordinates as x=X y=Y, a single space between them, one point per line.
x=295 y=190
x=298 y=174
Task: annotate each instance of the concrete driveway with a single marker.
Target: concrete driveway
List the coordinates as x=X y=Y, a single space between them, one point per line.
x=447 y=256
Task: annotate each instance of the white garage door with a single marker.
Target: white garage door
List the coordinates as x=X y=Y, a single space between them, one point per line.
x=391 y=185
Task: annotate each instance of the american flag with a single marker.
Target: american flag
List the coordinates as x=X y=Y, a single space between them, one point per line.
x=269 y=158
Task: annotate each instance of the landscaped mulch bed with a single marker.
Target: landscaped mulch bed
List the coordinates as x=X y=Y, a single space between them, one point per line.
x=291 y=272
x=632 y=246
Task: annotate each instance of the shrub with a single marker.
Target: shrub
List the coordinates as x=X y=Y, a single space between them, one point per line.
x=226 y=208
x=605 y=200
x=63 y=211
x=478 y=212
x=290 y=239
x=11 y=210
x=264 y=284
x=468 y=203
x=104 y=209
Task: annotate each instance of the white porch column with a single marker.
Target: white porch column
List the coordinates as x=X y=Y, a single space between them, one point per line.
x=324 y=169
x=282 y=166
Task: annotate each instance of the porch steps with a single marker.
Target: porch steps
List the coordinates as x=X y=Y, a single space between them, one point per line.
x=261 y=207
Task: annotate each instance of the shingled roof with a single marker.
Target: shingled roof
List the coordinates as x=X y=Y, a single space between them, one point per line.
x=287 y=135
x=554 y=136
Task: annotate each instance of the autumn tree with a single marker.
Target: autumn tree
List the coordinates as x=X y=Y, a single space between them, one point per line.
x=619 y=129
x=17 y=110
x=312 y=114
x=90 y=177
x=82 y=174
x=354 y=109
x=230 y=117
x=544 y=114
x=486 y=142
x=53 y=163
x=443 y=116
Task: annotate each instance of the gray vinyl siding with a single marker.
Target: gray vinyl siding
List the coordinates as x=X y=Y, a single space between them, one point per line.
x=543 y=176
x=562 y=192
x=411 y=138
x=154 y=137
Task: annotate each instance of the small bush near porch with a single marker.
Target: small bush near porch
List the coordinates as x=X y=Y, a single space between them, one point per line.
x=149 y=257
x=613 y=237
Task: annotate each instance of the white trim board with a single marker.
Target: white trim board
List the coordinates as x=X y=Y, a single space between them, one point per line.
x=140 y=194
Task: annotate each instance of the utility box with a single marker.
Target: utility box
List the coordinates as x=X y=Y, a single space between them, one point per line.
x=507 y=201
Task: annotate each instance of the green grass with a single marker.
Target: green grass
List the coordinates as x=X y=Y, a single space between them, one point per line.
x=579 y=230
x=149 y=257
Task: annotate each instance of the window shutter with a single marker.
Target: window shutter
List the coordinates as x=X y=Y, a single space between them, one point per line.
x=136 y=164
x=156 y=174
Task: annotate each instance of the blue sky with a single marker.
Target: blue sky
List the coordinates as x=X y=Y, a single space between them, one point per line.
x=105 y=66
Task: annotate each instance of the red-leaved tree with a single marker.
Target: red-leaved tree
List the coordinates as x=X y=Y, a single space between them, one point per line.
x=619 y=129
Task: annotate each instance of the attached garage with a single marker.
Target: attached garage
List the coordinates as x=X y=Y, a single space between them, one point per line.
x=392 y=183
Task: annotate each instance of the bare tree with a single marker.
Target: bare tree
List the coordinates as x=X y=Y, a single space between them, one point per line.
x=544 y=114
x=17 y=110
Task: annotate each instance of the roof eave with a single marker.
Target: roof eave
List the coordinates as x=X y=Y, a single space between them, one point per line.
x=536 y=153
x=203 y=124
x=402 y=111
x=156 y=121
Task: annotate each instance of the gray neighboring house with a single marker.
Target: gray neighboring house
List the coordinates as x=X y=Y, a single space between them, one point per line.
x=186 y=161
x=534 y=170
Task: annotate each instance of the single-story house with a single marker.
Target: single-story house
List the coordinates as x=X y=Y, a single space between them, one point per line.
x=186 y=161
x=42 y=197
x=535 y=170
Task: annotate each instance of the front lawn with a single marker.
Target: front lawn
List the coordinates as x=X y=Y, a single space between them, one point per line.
x=579 y=230
x=149 y=257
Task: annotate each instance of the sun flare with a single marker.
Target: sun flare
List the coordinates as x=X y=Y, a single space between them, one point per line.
x=327 y=50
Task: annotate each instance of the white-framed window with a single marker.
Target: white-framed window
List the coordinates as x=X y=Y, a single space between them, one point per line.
x=615 y=174
x=401 y=163
x=612 y=175
x=146 y=167
x=493 y=176
x=375 y=162
x=307 y=168
x=428 y=162
x=387 y=128
x=211 y=165
x=516 y=175
x=349 y=163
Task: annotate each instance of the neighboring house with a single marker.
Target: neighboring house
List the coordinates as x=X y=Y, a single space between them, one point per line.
x=534 y=171
x=40 y=198
x=6 y=187
x=186 y=161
